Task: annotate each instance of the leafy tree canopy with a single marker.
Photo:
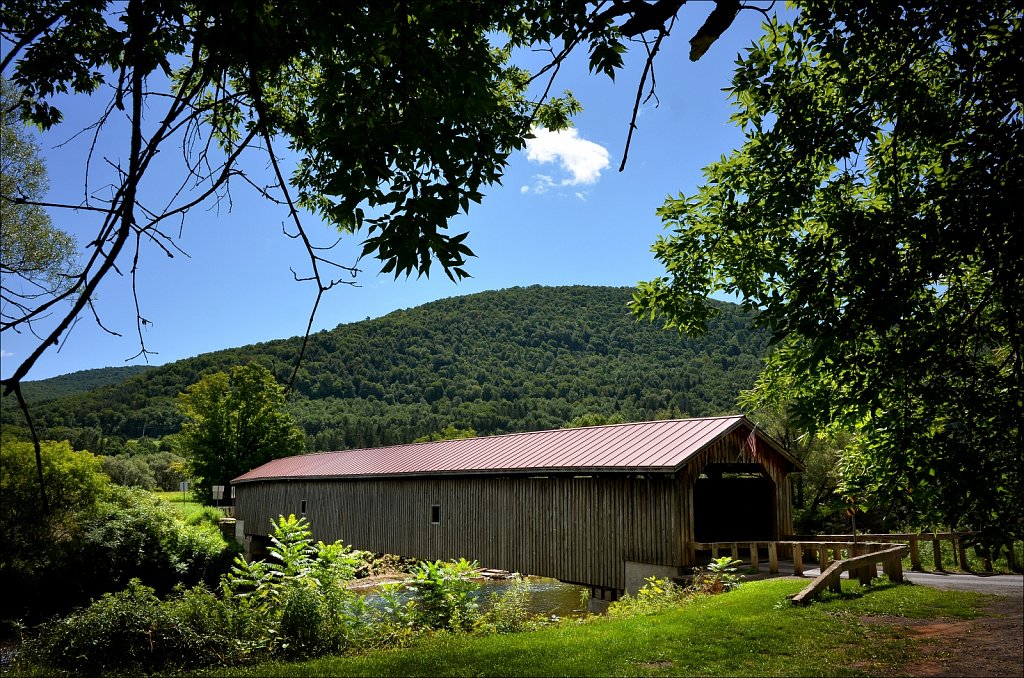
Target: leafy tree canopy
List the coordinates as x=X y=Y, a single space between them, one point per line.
x=233 y=423
x=872 y=220
x=36 y=258
x=449 y=432
x=521 y=359
x=75 y=482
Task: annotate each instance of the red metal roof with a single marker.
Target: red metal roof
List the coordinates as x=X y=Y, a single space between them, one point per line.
x=651 y=446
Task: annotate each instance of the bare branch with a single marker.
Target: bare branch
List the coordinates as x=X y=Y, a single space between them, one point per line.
x=648 y=68
x=314 y=258
x=35 y=444
x=55 y=205
x=763 y=10
x=96 y=316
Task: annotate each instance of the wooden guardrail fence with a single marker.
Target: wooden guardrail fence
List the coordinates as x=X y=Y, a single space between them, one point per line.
x=798 y=548
x=733 y=548
x=864 y=566
x=958 y=540
x=831 y=547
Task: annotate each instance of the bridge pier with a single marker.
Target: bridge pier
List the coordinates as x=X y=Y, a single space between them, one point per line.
x=601 y=598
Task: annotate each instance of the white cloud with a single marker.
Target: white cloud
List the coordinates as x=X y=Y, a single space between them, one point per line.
x=582 y=160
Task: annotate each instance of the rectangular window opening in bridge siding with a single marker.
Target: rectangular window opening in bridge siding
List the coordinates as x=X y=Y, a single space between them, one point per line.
x=302 y=507
x=435 y=514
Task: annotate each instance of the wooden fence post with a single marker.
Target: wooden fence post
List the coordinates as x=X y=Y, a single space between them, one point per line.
x=798 y=560
x=773 y=557
x=985 y=554
x=754 y=561
x=915 y=555
x=937 y=552
x=864 y=572
x=961 y=548
x=893 y=568
x=835 y=584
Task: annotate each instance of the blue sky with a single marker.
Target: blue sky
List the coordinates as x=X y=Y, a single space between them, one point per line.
x=564 y=215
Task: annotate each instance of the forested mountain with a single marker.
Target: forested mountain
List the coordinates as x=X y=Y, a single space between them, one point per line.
x=512 y=360
x=78 y=382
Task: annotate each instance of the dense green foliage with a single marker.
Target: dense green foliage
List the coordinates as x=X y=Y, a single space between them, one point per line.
x=77 y=382
x=162 y=470
x=131 y=534
x=34 y=542
x=36 y=257
x=94 y=539
x=872 y=220
x=513 y=360
x=235 y=422
x=294 y=604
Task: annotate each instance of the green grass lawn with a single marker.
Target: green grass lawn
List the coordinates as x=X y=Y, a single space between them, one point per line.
x=751 y=631
x=184 y=502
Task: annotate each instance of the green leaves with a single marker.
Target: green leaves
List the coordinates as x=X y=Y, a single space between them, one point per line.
x=445 y=594
x=606 y=56
x=864 y=219
x=293 y=561
x=37 y=259
x=233 y=423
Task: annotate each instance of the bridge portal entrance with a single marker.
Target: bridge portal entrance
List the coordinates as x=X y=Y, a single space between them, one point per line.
x=734 y=502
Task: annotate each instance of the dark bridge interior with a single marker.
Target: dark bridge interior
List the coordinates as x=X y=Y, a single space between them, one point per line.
x=734 y=502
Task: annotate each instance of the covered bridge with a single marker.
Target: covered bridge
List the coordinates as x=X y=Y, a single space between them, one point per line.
x=598 y=506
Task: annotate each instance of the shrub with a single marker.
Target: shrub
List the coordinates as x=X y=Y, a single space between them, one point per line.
x=719 y=576
x=133 y=630
x=304 y=620
x=33 y=543
x=96 y=537
x=300 y=591
x=295 y=604
x=508 y=612
x=134 y=535
x=445 y=597
x=656 y=595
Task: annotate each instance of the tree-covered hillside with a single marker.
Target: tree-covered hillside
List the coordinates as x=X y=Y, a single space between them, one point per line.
x=78 y=382
x=512 y=360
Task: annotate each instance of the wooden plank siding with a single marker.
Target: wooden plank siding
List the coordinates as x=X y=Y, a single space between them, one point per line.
x=575 y=528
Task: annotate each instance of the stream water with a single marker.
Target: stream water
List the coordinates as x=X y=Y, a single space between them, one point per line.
x=548 y=597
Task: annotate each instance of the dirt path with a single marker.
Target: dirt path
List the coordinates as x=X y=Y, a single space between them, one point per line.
x=991 y=645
